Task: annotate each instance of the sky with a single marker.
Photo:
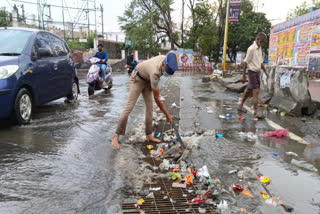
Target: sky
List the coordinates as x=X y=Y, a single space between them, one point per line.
x=276 y=10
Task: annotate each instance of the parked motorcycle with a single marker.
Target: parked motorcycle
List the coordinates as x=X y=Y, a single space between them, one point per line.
x=95 y=79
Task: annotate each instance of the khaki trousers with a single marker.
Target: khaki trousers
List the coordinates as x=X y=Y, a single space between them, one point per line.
x=136 y=87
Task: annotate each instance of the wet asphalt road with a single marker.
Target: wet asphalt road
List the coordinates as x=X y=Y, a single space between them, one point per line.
x=62 y=162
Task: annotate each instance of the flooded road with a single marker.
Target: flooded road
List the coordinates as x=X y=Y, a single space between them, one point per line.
x=202 y=104
x=63 y=161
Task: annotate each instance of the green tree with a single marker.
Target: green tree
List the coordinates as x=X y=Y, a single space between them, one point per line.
x=147 y=23
x=4 y=15
x=302 y=9
x=242 y=34
x=203 y=30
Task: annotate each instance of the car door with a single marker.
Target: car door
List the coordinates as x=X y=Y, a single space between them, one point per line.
x=61 y=66
x=42 y=69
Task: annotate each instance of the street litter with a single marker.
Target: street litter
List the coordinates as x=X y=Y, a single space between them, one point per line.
x=189 y=179
x=209 y=110
x=246 y=192
x=264 y=179
x=219 y=135
x=250 y=136
x=233 y=171
x=228 y=109
x=139 y=203
x=202 y=210
x=274 y=110
x=179 y=185
x=223 y=205
x=247 y=173
x=237 y=188
x=228 y=115
x=282 y=114
x=155 y=189
x=159 y=135
x=278 y=133
x=150 y=147
x=203 y=172
x=241 y=117
x=304 y=165
x=263 y=105
x=175 y=176
x=174 y=139
x=162 y=98
x=151 y=195
x=222 y=117
x=275 y=154
x=201 y=198
x=292 y=154
x=264 y=195
x=176 y=117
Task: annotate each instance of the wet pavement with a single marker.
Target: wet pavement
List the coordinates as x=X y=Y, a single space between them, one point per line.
x=62 y=162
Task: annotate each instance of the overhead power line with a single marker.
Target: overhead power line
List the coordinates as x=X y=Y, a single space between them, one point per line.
x=58 y=6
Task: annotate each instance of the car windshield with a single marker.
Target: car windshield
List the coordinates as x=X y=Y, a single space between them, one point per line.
x=12 y=42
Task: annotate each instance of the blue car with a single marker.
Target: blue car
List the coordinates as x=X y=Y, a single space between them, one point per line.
x=36 y=67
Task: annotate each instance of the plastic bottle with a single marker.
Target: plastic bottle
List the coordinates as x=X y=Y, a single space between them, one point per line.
x=304 y=165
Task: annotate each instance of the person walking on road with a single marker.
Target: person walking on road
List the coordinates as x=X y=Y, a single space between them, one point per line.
x=145 y=80
x=103 y=63
x=254 y=63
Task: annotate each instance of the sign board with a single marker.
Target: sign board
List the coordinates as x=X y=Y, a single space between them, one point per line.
x=83 y=40
x=234 y=10
x=240 y=58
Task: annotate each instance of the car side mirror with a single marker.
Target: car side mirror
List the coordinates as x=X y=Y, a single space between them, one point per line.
x=43 y=52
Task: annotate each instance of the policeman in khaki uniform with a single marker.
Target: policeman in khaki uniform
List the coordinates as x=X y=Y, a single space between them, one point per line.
x=145 y=80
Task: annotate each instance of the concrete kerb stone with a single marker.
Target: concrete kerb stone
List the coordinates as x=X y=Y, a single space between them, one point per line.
x=295 y=98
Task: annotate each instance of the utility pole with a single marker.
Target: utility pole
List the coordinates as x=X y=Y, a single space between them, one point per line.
x=23 y=15
x=101 y=7
x=64 y=26
x=95 y=15
x=88 y=17
x=226 y=37
x=182 y=30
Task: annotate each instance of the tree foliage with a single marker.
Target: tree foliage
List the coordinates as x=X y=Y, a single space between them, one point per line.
x=4 y=16
x=302 y=9
x=148 y=23
x=243 y=33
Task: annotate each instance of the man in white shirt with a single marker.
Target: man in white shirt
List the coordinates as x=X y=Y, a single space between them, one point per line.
x=254 y=63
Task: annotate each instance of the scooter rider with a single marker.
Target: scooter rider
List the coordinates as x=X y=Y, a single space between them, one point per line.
x=103 y=63
x=130 y=60
x=145 y=80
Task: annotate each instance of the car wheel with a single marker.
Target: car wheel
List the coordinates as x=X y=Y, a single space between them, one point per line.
x=23 y=107
x=91 y=90
x=75 y=89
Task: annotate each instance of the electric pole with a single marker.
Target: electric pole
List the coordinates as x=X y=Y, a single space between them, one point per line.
x=64 y=26
x=182 y=30
x=95 y=15
x=88 y=17
x=101 y=7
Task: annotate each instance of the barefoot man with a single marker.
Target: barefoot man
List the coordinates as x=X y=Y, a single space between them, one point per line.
x=254 y=63
x=144 y=80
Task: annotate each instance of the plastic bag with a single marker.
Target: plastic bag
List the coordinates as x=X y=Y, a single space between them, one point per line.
x=278 y=133
x=203 y=172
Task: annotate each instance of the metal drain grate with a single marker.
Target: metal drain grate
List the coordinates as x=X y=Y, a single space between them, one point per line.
x=177 y=204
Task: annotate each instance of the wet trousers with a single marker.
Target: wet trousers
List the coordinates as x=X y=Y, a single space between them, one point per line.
x=137 y=87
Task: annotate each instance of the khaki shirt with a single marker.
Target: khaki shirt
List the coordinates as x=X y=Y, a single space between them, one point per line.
x=150 y=70
x=254 y=57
